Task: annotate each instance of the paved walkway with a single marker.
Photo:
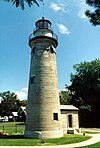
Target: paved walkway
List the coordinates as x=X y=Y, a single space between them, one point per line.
x=95 y=138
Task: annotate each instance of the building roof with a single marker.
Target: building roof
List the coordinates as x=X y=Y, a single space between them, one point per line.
x=68 y=107
x=22 y=108
x=14 y=114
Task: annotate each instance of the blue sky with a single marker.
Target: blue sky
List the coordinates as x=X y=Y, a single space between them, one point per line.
x=79 y=41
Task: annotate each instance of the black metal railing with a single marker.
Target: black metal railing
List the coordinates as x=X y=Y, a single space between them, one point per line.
x=53 y=35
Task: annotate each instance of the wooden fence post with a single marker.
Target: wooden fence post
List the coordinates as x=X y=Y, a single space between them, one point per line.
x=15 y=128
x=3 y=129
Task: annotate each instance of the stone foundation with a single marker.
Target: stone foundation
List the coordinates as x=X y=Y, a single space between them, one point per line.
x=43 y=134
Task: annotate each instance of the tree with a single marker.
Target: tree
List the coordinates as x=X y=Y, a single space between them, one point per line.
x=94 y=16
x=64 y=97
x=9 y=103
x=21 y=2
x=85 y=91
x=23 y=102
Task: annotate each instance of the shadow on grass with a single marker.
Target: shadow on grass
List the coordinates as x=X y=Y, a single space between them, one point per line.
x=12 y=137
x=20 y=124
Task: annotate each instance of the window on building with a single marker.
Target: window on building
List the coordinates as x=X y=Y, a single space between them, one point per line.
x=55 y=116
x=32 y=80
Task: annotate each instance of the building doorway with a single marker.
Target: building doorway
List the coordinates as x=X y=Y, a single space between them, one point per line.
x=69 y=120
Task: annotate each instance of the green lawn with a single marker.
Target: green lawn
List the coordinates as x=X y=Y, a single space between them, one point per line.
x=12 y=128
x=7 y=123
x=19 y=140
x=97 y=145
x=90 y=132
x=15 y=137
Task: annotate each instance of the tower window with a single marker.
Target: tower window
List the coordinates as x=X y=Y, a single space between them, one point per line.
x=55 y=116
x=32 y=80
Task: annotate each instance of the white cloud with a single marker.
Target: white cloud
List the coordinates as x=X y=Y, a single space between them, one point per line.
x=63 y=6
x=63 y=29
x=58 y=6
x=81 y=14
x=25 y=89
x=82 y=8
x=65 y=89
x=55 y=7
x=22 y=95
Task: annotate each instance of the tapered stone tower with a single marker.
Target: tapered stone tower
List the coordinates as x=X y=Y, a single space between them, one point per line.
x=43 y=107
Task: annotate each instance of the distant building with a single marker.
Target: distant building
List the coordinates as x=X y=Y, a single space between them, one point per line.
x=13 y=116
x=21 y=114
x=3 y=119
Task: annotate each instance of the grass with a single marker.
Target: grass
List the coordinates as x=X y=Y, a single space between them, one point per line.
x=97 y=145
x=12 y=123
x=15 y=137
x=19 y=140
x=90 y=132
x=67 y=139
x=12 y=128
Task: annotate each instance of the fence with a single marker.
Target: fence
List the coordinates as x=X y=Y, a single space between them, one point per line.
x=12 y=128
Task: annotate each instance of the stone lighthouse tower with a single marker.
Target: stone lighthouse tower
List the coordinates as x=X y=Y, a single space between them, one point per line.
x=43 y=107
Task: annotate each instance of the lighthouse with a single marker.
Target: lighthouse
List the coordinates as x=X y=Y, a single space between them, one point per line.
x=43 y=105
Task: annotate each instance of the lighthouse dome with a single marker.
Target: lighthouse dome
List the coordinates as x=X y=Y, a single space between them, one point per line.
x=43 y=30
x=43 y=23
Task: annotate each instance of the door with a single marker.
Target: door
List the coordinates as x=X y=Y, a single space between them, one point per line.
x=69 y=120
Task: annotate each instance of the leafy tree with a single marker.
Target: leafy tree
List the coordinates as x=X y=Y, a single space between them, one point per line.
x=64 y=97
x=94 y=16
x=9 y=103
x=85 y=91
x=21 y=2
x=23 y=102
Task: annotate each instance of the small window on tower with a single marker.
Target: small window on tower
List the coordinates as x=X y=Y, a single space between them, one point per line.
x=55 y=116
x=32 y=80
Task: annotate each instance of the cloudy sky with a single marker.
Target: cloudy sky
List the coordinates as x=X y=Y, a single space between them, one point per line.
x=79 y=41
